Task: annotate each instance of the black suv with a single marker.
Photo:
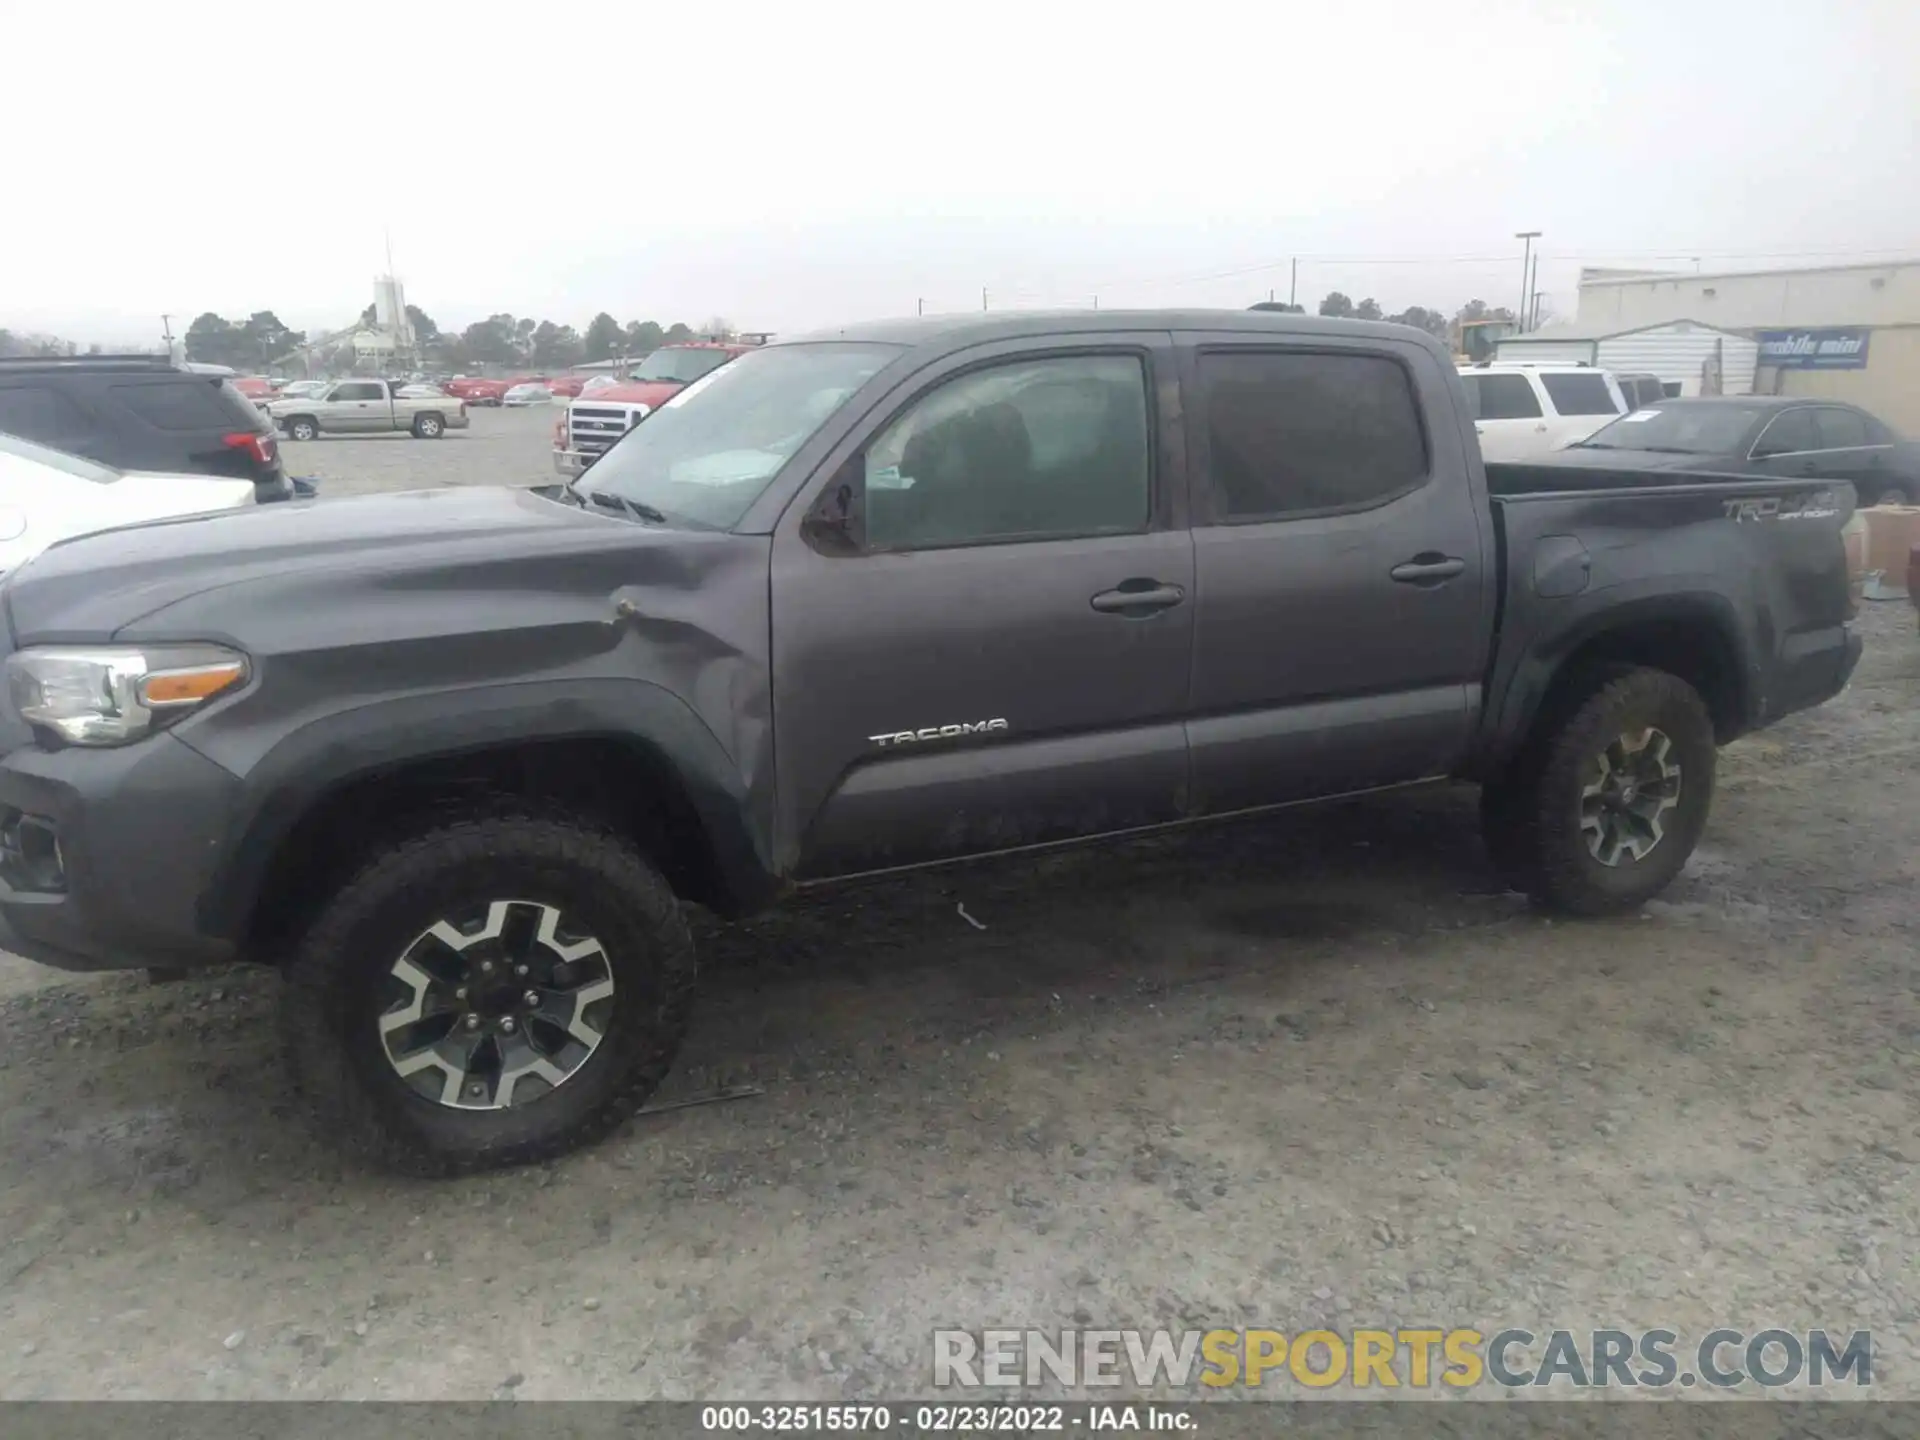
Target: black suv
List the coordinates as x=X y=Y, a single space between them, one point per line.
x=141 y=412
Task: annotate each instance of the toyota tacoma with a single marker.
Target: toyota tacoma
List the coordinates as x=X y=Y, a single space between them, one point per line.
x=886 y=597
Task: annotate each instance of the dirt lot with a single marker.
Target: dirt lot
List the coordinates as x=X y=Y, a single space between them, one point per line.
x=1312 y=1069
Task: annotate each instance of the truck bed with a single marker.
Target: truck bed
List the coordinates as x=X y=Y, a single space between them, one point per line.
x=1762 y=560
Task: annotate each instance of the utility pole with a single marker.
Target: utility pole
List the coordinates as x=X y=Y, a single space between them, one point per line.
x=166 y=329
x=983 y=297
x=1526 y=268
x=920 y=306
x=1293 y=283
x=1533 y=294
x=1533 y=314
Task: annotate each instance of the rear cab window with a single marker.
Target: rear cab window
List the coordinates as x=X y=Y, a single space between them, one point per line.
x=1501 y=397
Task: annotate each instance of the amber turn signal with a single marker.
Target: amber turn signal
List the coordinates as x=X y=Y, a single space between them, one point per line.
x=189 y=687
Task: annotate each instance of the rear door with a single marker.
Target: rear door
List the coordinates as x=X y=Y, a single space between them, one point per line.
x=1507 y=414
x=1000 y=657
x=1581 y=402
x=1855 y=449
x=1344 y=605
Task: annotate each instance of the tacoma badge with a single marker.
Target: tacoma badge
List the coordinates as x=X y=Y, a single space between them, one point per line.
x=938 y=732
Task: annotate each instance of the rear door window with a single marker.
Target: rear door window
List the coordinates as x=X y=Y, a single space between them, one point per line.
x=1579 y=394
x=188 y=404
x=39 y=412
x=1308 y=433
x=1501 y=397
x=1842 y=430
x=358 y=390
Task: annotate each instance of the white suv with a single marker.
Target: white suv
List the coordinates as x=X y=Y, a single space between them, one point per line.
x=1522 y=412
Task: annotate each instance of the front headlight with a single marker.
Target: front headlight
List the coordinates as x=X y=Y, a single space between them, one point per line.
x=114 y=694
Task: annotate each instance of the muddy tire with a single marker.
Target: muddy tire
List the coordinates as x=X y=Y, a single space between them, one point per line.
x=499 y=989
x=1610 y=797
x=302 y=427
x=428 y=427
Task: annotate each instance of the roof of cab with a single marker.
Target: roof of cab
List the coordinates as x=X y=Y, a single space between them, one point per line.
x=947 y=331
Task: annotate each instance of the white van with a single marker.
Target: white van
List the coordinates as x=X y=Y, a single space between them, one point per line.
x=1522 y=412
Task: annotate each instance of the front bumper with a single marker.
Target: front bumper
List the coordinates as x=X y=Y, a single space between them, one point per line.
x=141 y=832
x=571 y=463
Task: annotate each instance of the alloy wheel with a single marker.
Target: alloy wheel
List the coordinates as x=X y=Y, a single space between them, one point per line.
x=496 y=1006
x=1634 y=782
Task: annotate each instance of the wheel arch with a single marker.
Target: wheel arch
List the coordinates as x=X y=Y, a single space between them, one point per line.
x=1696 y=638
x=317 y=801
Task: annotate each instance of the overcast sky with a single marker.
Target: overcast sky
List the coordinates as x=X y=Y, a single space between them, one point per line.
x=796 y=164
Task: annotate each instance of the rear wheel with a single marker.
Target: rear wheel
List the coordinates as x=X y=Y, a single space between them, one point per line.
x=497 y=990
x=1611 y=797
x=428 y=427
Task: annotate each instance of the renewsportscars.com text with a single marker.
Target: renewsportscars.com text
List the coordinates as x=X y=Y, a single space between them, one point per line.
x=1414 y=1358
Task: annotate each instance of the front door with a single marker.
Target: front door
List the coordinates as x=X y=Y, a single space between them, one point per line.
x=1345 y=608
x=997 y=654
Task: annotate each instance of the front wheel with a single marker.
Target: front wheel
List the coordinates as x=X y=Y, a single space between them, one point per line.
x=498 y=990
x=1611 y=799
x=302 y=429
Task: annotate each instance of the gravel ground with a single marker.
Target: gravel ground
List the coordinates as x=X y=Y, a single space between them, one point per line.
x=1313 y=1069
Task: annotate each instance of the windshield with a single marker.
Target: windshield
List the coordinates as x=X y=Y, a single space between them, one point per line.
x=703 y=457
x=57 y=460
x=680 y=364
x=1678 y=429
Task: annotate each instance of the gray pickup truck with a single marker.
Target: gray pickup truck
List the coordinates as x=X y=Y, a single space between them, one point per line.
x=886 y=597
x=367 y=407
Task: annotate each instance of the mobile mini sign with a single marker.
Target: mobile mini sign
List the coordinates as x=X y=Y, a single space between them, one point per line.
x=1829 y=349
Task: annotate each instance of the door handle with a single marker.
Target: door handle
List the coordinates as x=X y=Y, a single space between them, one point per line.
x=1137 y=599
x=1428 y=569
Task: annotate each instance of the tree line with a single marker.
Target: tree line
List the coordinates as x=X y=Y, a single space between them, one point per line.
x=261 y=340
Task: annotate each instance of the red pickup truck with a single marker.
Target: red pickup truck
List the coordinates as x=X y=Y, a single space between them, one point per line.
x=591 y=423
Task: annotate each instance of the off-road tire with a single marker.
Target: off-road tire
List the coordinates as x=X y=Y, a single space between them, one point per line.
x=301 y=423
x=333 y=986
x=1531 y=817
x=428 y=427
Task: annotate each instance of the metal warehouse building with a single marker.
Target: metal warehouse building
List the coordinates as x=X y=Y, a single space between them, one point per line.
x=1690 y=358
x=1839 y=332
